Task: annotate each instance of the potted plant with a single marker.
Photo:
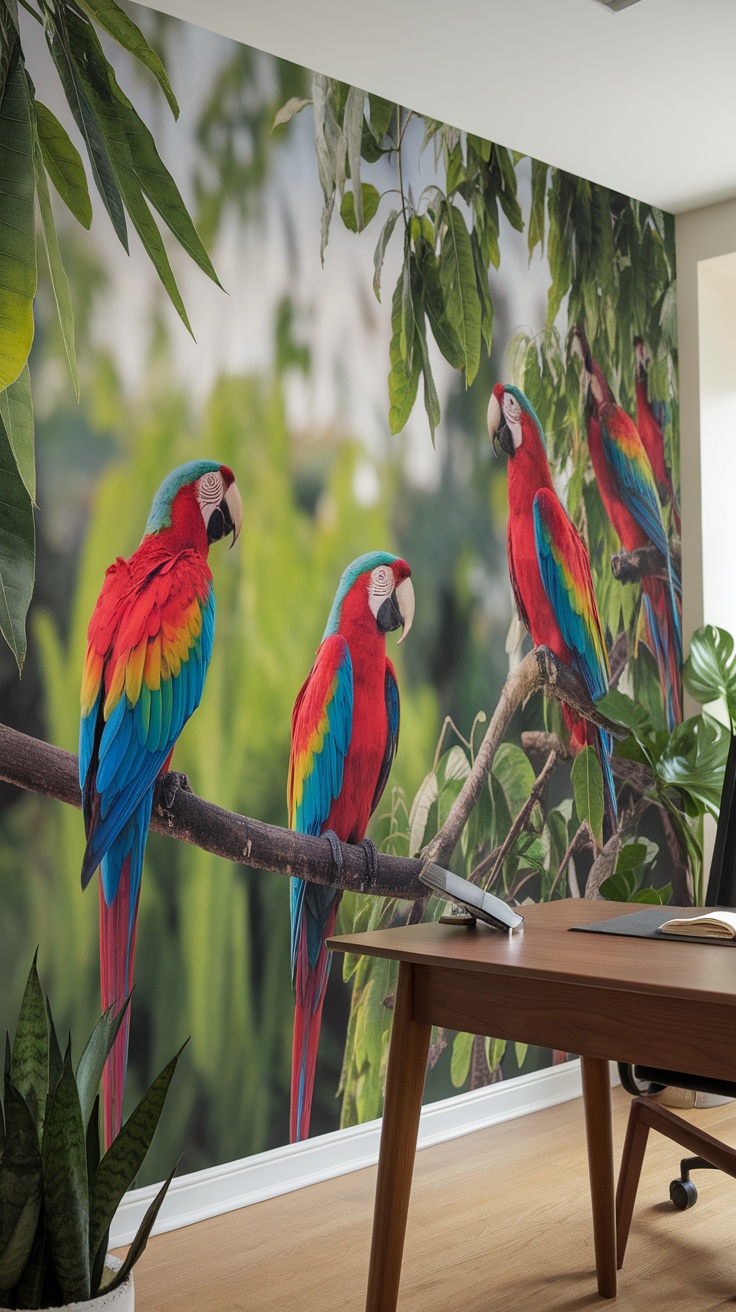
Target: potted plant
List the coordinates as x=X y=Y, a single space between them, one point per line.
x=58 y=1194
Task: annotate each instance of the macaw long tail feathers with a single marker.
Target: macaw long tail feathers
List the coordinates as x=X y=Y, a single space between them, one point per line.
x=311 y=984
x=117 y=946
x=664 y=636
x=604 y=748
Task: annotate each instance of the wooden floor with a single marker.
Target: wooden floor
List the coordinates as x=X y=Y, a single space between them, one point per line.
x=498 y=1219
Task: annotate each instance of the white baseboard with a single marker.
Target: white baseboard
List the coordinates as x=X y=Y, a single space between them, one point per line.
x=265 y=1175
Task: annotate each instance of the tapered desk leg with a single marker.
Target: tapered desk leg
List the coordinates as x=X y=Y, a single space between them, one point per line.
x=599 y=1132
x=407 y=1063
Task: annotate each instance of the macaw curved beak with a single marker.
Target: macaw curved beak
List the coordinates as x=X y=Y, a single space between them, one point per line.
x=406 y=602
x=232 y=508
x=397 y=610
x=497 y=428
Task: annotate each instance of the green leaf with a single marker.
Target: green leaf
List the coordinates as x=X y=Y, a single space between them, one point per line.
x=694 y=760
x=402 y=382
x=293 y=106
x=29 y=1062
x=123 y=30
x=142 y=1235
x=535 y=234
x=17 y=552
x=520 y=1051
x=59 y=280
x=353 y=130
x=623 y=710
x=16 y=412
x=424 y=799
x=587 y=783
x=92 y=1060
x=17 y=230
x=431 y=400
x=66 y=1200
x=462 y=1048
x=710 y=669
x=114 y=117
x=380 y=251
x=484 y=293
x=515 y=773
x=406 y=338
x=381 y=112
x=370 y=200
x=124 y=1158
x=57 y=38
x=63 y=164
x=457 y=279
x=20 y=1187
x=9 y=34
x=158 y=185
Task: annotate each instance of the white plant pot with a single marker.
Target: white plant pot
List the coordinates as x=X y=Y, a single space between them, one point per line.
x=121 y=1299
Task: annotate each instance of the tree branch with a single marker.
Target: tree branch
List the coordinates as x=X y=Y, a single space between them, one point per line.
x=42 y=768
x=539 y=669
x=645 y=562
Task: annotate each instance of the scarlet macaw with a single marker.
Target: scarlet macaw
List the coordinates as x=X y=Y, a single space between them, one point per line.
x=148 y=647
x=650 y=417
x=629 y=493
x=344 y=733
x=550 y=570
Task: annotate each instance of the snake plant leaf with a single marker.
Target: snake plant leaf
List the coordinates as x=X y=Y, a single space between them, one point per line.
x=17 y=220
x=55 y=1058
x=20 y=1187
x=143 y=1234
x=66 y=1197
x=710 y=669
x=16 y=412
x=59 y=281
x=29 y=1062
x=123 y=1159
x=57 y=38
x=92 y=1060
x=63 y=164
x=127 y=34
x=17 y=551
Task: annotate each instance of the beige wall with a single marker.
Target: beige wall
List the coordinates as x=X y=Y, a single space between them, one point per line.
x=707 y=338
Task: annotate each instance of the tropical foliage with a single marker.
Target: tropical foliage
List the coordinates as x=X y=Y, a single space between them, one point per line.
x=131 y=180
x=58 y=1192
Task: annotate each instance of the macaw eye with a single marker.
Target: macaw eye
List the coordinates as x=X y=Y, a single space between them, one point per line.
x=382 y=581
x=209 y=489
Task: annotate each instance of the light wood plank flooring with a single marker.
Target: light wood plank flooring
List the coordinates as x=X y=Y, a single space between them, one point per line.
x=498 y=1219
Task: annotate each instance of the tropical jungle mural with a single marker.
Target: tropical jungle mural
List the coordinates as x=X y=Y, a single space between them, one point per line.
x=433 y=393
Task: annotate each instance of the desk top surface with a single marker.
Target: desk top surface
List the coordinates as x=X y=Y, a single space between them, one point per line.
x=545 y=948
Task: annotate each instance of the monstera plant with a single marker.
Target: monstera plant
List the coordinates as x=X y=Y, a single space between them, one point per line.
x=680 y=772
x=57 y=1194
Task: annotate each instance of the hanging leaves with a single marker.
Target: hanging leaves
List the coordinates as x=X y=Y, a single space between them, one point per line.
x=17 y=234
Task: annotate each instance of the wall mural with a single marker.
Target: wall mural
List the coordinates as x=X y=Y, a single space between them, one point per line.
x=429 y=349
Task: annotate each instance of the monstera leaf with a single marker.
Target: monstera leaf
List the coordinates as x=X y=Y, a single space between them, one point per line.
x=709 y=673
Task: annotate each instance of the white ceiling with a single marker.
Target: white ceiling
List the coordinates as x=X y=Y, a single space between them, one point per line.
x=643 y=101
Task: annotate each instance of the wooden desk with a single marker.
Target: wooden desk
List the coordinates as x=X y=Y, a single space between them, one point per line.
x=605 y=997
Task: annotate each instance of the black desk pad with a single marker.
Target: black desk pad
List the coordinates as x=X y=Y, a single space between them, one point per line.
x=645 y=923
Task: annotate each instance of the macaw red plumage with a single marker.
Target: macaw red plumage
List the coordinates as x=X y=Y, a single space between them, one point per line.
x=148 y=647
x=344 y=733
x=550 y=570
x=629 y=493
x=649 y=422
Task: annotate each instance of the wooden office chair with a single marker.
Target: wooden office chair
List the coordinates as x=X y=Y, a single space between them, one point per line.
x=645 y=1114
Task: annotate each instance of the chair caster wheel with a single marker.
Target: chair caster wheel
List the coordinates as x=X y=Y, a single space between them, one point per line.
x=683 y=1194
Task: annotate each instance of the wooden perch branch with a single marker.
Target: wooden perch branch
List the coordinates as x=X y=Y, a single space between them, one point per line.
x=178 y=812
x=41 y=768
x=645 y=562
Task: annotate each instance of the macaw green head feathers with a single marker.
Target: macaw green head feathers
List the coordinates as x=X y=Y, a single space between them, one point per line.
x=506 y=411
x=386 y=584
x=211 y=487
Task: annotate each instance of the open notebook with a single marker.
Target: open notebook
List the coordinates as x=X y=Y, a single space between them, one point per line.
x=714 y=924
